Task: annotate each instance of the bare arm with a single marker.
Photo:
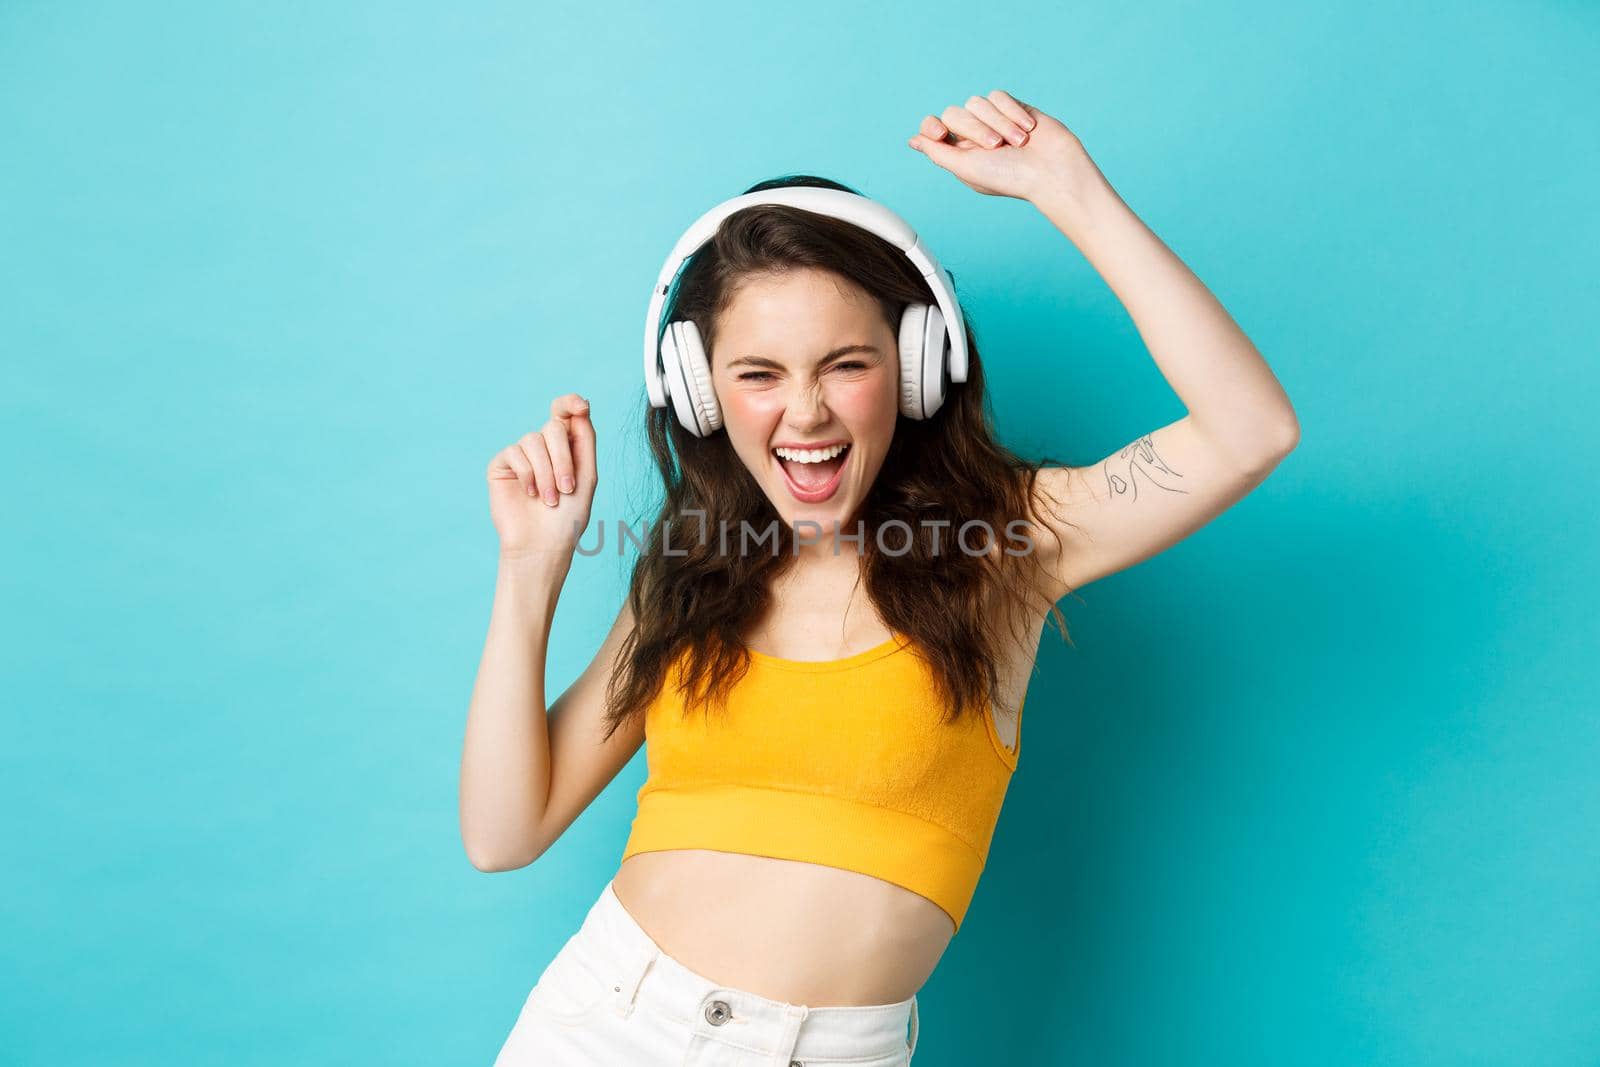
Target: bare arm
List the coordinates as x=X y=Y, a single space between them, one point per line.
x=505 y=758
x=529 y=768
x=1235 y=403
x=1172 y=480
x=1165 y=485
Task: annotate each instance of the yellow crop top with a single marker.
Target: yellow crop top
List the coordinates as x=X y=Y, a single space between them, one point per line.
x=840 y=762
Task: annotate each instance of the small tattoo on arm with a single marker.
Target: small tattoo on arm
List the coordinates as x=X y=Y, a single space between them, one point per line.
x=1140 y=458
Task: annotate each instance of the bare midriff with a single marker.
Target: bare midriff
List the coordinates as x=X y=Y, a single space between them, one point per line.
x=796 y=932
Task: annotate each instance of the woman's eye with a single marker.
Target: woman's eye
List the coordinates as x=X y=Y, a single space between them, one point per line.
x=761 y=375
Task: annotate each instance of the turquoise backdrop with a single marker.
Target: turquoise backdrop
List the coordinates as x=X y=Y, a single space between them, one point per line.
x=1318 y=786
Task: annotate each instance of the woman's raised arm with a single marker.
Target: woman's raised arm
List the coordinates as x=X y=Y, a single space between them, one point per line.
x=513 y=802
x=1168 y=482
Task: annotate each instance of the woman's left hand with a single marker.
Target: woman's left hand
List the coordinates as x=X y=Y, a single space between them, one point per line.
x=999 y=146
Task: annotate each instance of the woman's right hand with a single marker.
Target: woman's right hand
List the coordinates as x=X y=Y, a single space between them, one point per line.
x=541 y=487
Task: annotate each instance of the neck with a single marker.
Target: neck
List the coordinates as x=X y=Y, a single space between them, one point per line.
x=823 y=553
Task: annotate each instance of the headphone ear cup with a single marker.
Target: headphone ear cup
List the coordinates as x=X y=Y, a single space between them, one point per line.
x=671 y=376
x=673 y=380
x=912 y=325
x=924 y=360
x=696 y=371
x=935 y=361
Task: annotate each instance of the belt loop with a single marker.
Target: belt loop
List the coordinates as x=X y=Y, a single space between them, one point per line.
x=626 y=979
x=913 y=1042
x=793 y=1016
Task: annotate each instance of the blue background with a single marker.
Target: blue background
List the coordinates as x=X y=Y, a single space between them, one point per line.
x=1317 y=786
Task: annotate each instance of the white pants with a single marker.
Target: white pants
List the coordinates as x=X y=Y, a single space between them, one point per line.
x=612 y=997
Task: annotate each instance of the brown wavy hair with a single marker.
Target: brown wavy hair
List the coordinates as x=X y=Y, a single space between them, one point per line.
x=949 y=467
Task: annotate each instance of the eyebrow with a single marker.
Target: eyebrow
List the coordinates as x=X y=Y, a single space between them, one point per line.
x=763 y=361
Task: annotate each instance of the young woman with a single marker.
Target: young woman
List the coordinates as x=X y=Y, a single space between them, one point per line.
x=833 y=710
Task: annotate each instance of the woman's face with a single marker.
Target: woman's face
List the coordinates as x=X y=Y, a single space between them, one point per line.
x=805 y=359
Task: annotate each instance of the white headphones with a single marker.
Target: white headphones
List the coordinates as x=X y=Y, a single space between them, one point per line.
x=676 y=366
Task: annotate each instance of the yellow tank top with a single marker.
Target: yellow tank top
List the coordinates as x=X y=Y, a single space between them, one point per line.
x=842 y=762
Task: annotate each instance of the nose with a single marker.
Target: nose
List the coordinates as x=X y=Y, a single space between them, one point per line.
x=806 y=408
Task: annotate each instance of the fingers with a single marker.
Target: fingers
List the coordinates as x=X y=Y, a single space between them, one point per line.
x=510 y=463
x=568 y=404
x=558 y=458
x=555 y=443
x=989 y=122
x=1013 y=109
x=544 y=482
x=584 y=466
x=964 y=123
x=996 y=121
x=569 y=422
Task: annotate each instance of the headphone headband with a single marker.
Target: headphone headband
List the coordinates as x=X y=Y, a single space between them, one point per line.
x=836 y=203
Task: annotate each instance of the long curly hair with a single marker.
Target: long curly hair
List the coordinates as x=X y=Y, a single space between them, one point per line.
x=698 y=602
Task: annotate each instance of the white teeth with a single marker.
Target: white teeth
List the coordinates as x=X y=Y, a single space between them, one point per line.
x=809 y=455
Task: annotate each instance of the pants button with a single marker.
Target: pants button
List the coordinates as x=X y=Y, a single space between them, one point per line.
x=718 y=1012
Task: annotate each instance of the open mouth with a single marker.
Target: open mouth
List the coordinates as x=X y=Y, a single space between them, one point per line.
x=813 y=475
